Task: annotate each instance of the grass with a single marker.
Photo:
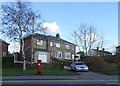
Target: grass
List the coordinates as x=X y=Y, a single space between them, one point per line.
x=32 y=72
x=108 y=71
x=112 y=69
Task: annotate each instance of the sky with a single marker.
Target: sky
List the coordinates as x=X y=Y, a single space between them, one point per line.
x=65 y=17
x=69 y=15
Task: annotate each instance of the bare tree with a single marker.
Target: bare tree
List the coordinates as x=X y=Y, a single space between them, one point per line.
x=85 y=37
x=17 y=21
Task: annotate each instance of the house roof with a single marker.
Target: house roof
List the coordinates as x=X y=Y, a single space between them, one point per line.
x=102 y=51
x=118 y=47
x=51 y=38
x=2 y=41
x=80 y=52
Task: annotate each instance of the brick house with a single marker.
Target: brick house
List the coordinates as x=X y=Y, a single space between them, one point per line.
x=118 y=48
x=97 y=52
x=38 y=46
x=3 y=48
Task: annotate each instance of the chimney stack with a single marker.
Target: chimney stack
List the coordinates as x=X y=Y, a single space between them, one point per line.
x=97 y=48
x=97 y=51
x=57 y=35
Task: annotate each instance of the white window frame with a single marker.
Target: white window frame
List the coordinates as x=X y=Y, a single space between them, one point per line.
x=51 y=44
x=72 y=47
x=58 y=54
x=58 y=45
x=39 y=42
x=67 y=46
x=4 y=53
x=67 y=55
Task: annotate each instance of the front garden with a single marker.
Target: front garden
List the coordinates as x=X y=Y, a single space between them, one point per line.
x=14 y=69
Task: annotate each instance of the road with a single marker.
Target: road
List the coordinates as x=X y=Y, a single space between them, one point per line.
x=61 y=82
x=84 y=78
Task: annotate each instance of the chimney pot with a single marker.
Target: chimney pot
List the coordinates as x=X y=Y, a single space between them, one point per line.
x=103 y=49
x=57 y=35
x=97 y=48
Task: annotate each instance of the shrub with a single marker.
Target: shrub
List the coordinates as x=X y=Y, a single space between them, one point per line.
x=65 y=62
x=95 y=62
x=6 y=59
x=8 y=62
x=50 y=65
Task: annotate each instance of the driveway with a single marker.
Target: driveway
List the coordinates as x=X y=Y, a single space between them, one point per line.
x=95 y=76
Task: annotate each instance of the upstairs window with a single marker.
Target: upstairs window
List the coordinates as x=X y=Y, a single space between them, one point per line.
x=58 y=45
x=51 y=43
x=67 y=47
x=39 y=42
x=72 y=47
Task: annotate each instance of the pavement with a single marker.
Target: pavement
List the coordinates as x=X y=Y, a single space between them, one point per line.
x=83 y=76
x=39 y=77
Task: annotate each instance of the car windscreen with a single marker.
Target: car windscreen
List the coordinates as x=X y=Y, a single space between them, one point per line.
x=79 y=64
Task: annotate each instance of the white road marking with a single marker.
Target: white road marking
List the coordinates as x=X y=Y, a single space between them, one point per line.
x=113 y=83
x=53 y=80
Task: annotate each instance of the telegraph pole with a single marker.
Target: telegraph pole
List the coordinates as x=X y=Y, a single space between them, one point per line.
x=32 y=56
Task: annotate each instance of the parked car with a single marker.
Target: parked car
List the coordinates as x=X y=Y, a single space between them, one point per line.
x=79 y=66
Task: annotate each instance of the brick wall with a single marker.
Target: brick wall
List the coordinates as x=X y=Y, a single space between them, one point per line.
x=3 y=49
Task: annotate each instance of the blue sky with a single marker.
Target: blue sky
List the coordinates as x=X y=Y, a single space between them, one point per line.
x=69 y=15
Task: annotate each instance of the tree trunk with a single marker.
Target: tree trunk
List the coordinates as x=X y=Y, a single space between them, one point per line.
x=23 y=54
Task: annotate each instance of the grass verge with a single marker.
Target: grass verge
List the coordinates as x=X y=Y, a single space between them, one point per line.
x=32 y=72
x=111 y=70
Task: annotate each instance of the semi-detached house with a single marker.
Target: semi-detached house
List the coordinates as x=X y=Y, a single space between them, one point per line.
x=38 y=46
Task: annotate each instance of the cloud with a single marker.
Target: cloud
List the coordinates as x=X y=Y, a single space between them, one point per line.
x=14 y=47
x=53 y=27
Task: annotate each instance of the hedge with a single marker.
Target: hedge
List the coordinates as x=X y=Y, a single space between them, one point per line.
x=95 y=62
x=8 y=62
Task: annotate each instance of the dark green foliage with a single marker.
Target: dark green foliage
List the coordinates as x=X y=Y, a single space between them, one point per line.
x=6 y=59
x=51 y=65
x=8 y=62
x=65 y=62
x=95 y=62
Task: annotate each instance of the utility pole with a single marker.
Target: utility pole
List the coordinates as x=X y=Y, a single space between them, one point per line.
x=33 y=25
x=32 y=56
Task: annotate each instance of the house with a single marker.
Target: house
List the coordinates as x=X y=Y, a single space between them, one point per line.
x=80 y=55
x=118 y=48
x=43 y=47
x=3 y=48
x=97 y=52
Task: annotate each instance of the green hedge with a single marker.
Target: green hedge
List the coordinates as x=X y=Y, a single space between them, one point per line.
x=6 y=59
x=8 y=62
x=95 y=62
x=65 y=62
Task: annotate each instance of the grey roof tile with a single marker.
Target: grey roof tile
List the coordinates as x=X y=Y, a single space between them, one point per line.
x=51 y=38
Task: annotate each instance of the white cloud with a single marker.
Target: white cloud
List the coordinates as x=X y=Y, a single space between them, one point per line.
x=53 y=27
x=14 y=47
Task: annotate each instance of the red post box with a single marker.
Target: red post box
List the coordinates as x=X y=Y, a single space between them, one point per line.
x=39 y=67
